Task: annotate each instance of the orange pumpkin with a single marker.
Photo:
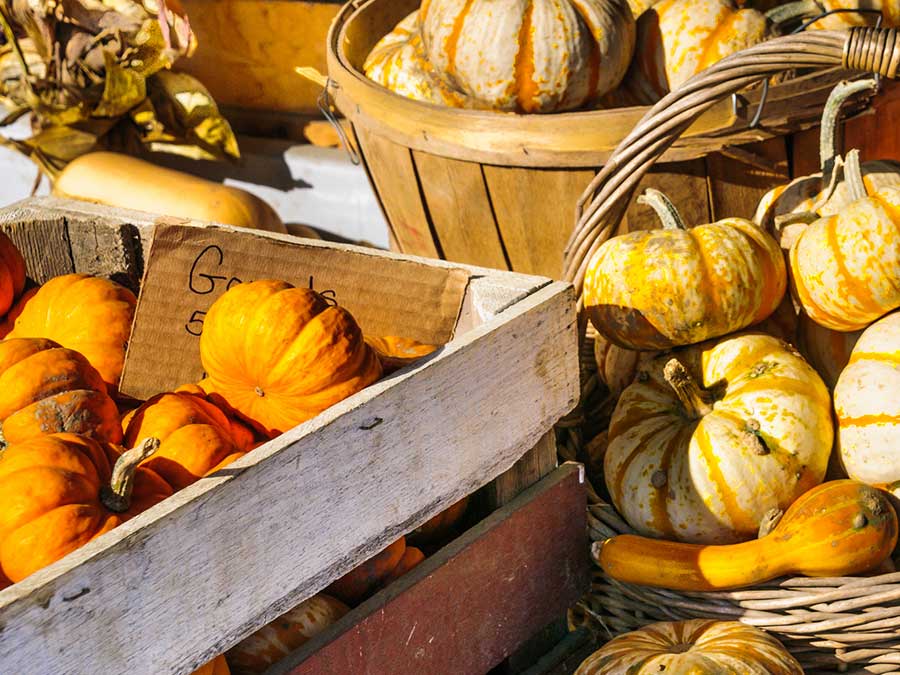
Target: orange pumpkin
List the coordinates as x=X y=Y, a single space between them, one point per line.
x=279 y=355
x=218 y=666
x=46 y=389
x=242 y=434
x=271 y=643
x=439 y=526
x=398 y=352
x=60 y=491
x=12 y=273
x=412 y=556
x=368 y=576
x=195 y=436
x=697 y=646
x=89 y=314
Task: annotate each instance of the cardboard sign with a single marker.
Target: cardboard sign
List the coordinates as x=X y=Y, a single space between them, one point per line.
x=189 y=266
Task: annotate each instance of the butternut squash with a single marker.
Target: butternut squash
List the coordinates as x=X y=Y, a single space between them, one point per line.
x=128 y=182
x=838 y=528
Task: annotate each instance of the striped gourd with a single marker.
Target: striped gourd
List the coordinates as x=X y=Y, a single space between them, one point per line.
x=703 y=445
x=867 y=403
x=530 y=55
x=845 y=268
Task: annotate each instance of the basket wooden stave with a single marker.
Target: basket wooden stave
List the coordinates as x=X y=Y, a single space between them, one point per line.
x=849 y=624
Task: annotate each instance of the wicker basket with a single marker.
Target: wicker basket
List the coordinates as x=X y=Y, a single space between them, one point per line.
x=460 y=184
x=843 y=624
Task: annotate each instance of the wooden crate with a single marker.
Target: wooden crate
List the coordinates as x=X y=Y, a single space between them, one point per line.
x=500 y=189
x=185 y=580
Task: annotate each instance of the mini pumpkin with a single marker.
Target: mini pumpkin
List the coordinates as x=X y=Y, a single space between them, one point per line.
x=534 y=56
x=12 y=273
x=218 y=666
x=696 y=646
x=655 y=289
x=278 y=355
x=195 y=436
x=828 y=351
x=271 y=643
x=412 y=556
x=366 y=577
x=60 y=491
x=845 y=268
x=702 y=446
x=867 y=404
x=440 y=526
x=89 y=314
x=46 y=389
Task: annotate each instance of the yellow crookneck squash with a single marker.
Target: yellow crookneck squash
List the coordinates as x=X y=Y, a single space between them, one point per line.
x=657 y=289
x=867 y=405
x=89 y=314
x=695 y=647
x=277 y=356
x=47 y=389
x=837 y=529
x=703 y=445
x=535 y=56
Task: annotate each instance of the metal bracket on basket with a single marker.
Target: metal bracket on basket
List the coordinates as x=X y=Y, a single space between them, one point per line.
x=326 y=107
x=757 y=117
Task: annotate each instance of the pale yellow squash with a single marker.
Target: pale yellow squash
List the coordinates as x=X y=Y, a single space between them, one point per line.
x=701 y=447
x=131 y=183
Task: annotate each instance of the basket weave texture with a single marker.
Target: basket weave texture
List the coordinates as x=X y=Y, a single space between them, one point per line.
x=831 y=625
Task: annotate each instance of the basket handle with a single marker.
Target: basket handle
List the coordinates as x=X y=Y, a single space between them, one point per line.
x=603 y=203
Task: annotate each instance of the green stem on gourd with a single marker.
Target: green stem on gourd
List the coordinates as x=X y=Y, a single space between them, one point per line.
x=116 y=496
x=794 y=10
x=853 y=176
x=664 y=208
x=831 y=114
x=686 y=388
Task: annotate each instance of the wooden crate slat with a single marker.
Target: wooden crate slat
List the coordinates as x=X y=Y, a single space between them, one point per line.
x=467 y=607
x=735 y=187
x=460 y=210
x=685 y=183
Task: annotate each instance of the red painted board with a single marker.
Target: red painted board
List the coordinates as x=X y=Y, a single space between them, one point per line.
x=470 y=605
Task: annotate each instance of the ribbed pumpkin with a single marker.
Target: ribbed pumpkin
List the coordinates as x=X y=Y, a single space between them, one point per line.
x=398 y=62
x=60 y=491
x=837 y=529
x=695 y=647
x=703 y=445
x=275 y=640
x=12 y=273
x=845 y=268
x=279 y=355
x=441 y=525
x=397 y=352
x=47 y=389
x=655 y=289
x=218 y=666
x=867 y=403
x=195 y=436
x=676 y=39
x=363 y=579
x=530 y=55
x=241 y=433
x=412 y=556
x=828 y=351
x=89 y=314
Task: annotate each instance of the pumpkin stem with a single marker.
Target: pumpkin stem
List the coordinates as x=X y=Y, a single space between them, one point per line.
x=842 y=92
x=665 y=209
x=853 y=176
x=770 y=521
x=794 y=10
x=117 y=495
x=689 y=392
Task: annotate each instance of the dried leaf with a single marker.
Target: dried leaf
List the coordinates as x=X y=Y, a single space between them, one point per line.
x=63 y=143
x=124 y=89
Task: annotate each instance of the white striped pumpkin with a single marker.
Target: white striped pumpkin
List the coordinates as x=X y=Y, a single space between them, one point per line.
x=530 y=55
x=867 y=404
x=845 y=268
x=398 y=62
x=676 y=39
x=705 y=465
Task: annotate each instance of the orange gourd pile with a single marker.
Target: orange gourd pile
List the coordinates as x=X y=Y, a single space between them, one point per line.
x=720 y=424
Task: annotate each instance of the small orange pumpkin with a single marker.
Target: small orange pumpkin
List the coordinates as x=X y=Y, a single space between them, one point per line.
x=89 y=314
x=60 y=491
x=278 y=355
x=412 y=556
x=439 y=526
x=363 y=579
x=271 y=643
x=46 y=389
x=12 y=273
x=218 y=666
x=697 y=646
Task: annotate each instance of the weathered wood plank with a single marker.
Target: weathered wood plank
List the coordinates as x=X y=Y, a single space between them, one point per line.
x=682 y=182
x=123 y=601
x=736 y=186
x=42 y=239
x=460 y=211
x=113 y=252
x=394 y=176
x=460 y=611
x=532 y=467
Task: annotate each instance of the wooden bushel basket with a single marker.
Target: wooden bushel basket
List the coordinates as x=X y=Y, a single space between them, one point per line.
x=849 y=624
x=498 y=189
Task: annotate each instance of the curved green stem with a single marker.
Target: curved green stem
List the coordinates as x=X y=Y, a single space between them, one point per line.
x=665 y=209
x=853 y=176
x=794 y=10
x=117 y=495
x=831 y=113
